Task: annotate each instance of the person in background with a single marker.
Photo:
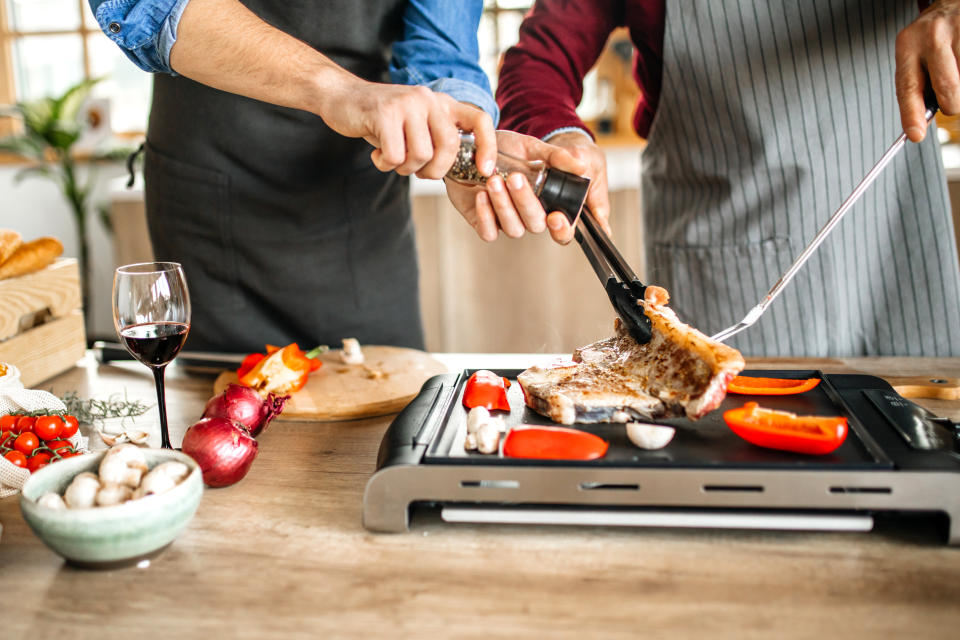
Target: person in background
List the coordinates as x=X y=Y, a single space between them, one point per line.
x=760 y=118
x=288 y=227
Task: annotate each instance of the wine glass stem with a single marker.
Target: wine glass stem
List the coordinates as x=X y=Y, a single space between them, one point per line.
x=162 y=405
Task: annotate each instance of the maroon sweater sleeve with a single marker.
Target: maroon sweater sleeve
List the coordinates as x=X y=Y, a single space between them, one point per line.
x=541 y=82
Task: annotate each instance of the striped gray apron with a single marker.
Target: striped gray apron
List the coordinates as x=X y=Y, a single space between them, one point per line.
x=770 y=113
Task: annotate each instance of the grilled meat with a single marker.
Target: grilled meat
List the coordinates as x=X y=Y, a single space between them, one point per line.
x=679 y=372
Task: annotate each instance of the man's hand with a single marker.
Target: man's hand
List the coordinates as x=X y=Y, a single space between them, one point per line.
x=584 y=149
x=510 y=204
x=929 y=45
x=414 y=129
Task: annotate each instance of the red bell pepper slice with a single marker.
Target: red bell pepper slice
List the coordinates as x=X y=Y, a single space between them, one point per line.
x=756 y=386
x=281 y=371
x=553 y=443
x=486 y=389
x=815 y=435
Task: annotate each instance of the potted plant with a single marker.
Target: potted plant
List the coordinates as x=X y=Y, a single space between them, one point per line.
x=51 y=128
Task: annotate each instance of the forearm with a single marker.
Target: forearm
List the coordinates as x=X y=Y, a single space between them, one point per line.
x=223 y=44
x=541 y=81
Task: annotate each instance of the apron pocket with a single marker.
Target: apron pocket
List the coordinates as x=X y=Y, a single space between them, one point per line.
x=189 y=220
x=713 y=287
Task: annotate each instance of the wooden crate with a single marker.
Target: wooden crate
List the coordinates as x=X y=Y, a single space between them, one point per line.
x=41 y=321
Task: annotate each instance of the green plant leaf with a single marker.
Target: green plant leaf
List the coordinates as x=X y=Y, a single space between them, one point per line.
x=67 y=106
x=37 y=115
x=36 y=170
x=27 y=146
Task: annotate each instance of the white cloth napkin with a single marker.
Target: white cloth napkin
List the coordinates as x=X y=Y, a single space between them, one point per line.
x=14 y=398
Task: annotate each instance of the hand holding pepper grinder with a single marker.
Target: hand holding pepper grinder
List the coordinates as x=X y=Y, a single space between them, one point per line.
x=555 y=189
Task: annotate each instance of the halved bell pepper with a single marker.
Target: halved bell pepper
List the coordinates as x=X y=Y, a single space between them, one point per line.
x=280 y=370
x=815 y=435
x=553 y=443
x=486 y=389
x=749 y=385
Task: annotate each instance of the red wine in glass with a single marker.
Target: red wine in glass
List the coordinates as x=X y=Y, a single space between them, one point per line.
x=151 y=311
x=157 y=343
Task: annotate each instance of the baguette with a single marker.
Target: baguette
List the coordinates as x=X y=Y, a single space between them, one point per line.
x=31 y=256
x=10 y=241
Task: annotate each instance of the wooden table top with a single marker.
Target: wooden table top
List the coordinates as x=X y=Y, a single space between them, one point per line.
x=284 y=554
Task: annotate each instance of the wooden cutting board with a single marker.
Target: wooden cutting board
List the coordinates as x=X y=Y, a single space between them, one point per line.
x=338 y=391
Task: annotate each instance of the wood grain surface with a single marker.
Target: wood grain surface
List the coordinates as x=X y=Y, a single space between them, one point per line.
x=50 y=293
x=387 y=381
x=283 y=554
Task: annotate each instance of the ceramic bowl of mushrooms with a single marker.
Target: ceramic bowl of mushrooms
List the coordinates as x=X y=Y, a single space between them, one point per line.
x=113 y=508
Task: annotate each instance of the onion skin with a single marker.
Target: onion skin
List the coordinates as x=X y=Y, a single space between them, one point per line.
x=246 y=406
x=223 y=449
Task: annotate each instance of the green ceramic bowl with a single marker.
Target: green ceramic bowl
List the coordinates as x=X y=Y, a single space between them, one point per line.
x=108 y=537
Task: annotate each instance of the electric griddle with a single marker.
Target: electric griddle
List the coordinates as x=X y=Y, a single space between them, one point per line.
x=896 y=458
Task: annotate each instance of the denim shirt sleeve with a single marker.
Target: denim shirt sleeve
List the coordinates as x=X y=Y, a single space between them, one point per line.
x=144 y=29
x=439 y=49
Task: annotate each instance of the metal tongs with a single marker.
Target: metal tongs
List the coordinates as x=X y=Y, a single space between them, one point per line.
x=620 y=282
x=754 y=314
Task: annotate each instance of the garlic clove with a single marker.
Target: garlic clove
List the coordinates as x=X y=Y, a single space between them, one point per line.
x=470 y=442
x=650 y=436
x=82 y=492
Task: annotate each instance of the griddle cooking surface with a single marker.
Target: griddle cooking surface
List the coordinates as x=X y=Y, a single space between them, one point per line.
x=708 y=442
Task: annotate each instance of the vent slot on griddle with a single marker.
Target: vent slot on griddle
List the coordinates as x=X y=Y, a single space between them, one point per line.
x=861 y=490
x=733 y=488
x=609 y=486
x=489 y=484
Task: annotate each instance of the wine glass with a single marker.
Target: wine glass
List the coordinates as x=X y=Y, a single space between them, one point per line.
x=151 y=311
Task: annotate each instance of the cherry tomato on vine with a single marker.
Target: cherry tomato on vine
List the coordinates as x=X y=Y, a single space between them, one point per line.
x=17 y=458
x=68 y=453
x=48 y=427
x=70 y=426
x=7 y=438
x=38 y=460
x=25 y=423
x=26 y=442
x=7 y=422
x=56 y=445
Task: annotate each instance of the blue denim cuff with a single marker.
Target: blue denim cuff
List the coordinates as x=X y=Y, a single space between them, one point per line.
x=144 y=29
x=464 y=91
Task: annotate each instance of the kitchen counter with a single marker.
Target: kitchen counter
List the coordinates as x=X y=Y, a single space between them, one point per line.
x=284 y=554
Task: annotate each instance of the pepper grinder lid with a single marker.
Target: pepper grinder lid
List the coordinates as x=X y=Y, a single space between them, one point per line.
x=565 y=192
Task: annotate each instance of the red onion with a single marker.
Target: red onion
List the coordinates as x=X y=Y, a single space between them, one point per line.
x=246 y=406
x=224 y=450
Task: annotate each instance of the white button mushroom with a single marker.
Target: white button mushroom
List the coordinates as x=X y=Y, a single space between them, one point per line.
x=82 y=492
x=111 y=494
x=488 y=435
x=650 y=436
x=483 y=431
x=123 y=464
x=162 y=478
x=351 y=353
x=52 y=500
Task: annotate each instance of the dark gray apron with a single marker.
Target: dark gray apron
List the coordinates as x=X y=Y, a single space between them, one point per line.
x=285 y=229
x=771 y=112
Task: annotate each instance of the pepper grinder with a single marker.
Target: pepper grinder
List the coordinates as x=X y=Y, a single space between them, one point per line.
x=557 y=190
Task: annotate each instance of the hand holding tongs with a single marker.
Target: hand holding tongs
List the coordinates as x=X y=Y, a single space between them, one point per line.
x=754 y=314
x=620 y=282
